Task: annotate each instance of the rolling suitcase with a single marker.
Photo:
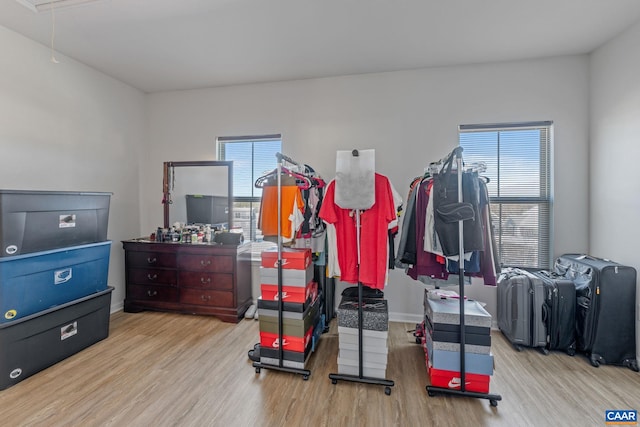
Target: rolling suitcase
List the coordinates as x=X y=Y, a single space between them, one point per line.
x=605 y=308
x=559 y=311
x=520 y=300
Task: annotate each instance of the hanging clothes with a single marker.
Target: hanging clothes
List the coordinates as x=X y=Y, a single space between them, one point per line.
x=371 y=268
x=291 y=212
x=427 y=263
x=406 y=254
x=421 y=251
x=312 y=232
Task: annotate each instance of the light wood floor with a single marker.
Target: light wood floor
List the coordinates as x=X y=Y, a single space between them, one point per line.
x=159 y=369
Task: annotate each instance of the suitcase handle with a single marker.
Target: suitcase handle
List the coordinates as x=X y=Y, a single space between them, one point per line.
x=549 y=274
x=545 y=313
x=592 y=258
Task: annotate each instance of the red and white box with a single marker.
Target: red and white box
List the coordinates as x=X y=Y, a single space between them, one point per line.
x=450 y=379
x=289 y=343
x=290 y=293
x=292 y=258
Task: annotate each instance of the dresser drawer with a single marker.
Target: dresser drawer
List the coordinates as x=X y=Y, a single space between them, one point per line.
x=205 y=280
x=206 y=297
x=152 y=293
x=216 y=264
x=151 y=259
x=152 y=276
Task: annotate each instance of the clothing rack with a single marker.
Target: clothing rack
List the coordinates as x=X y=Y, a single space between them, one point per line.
x=280 y=366
x=432 y=390
x=360 y=378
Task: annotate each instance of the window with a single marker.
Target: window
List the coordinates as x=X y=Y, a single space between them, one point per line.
x=518 y=160
x=252 y=157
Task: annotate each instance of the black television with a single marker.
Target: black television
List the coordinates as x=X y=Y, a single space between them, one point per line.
x=204 y=209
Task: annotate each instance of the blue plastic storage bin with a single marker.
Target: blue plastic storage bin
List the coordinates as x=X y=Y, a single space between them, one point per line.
x=34 y=282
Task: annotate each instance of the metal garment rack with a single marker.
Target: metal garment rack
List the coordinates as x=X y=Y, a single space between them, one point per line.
x=432 y=390
x=280 y=366
x=360 y=378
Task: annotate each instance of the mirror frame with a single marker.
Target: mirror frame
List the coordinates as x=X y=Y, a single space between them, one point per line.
x=198 y=163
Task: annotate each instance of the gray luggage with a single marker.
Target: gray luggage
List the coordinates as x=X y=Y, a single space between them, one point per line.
x=520 y=300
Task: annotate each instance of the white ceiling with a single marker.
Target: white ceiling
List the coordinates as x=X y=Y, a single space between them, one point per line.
x=159 y=45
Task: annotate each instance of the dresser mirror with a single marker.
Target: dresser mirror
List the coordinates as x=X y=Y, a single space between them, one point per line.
x=198 y=192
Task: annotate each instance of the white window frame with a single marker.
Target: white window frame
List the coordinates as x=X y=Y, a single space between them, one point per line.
x=253 y=200
x=509 y=240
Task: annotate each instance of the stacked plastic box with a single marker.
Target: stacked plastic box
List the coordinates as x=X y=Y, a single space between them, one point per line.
x=441 y=343
x=301 y=317
x=54 y=262
x=375 y=332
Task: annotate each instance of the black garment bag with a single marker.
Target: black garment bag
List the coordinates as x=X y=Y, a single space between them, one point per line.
x=448 y=210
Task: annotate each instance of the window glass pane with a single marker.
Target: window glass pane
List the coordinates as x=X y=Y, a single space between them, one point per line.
x=251 y=158
x=482 y=147
x=241 y=155
x=517 y=166
x=264 y=160
x=521 y=233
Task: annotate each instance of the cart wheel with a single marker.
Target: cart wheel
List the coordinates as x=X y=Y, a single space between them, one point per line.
x=517 y=347
x=595 y=362
x=305 y=377
x=334 y=381
x=571 y=352
x=257 y=370
x=418 y=340
x=493 y=403
x=544 y=351
x=430 y=393
x=387 y=391
x=633 y=365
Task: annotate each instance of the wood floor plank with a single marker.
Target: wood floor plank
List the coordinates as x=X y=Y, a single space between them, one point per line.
x=165 y=369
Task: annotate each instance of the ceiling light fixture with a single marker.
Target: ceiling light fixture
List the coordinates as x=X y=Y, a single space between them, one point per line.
x=38 y=6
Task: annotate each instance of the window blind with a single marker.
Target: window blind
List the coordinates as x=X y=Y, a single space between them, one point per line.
x=518 y=160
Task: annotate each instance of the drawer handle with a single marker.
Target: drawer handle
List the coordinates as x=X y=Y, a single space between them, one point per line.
x=150 y=277
x=206 y=297
x=205 y=262
x=203 y=280
x=152 y=293
x=151 y=260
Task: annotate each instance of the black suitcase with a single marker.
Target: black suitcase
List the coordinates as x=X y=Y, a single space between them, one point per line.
x=559 y=311
x=605 y=308
x=520 y=297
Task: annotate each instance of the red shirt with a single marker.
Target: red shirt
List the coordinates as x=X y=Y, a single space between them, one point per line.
x=374 y=226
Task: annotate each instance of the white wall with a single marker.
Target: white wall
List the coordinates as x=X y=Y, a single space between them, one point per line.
x=410 y=118
x=615 y=150
x=68 y=127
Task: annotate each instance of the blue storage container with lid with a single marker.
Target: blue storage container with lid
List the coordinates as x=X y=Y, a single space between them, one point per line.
x=30 y=283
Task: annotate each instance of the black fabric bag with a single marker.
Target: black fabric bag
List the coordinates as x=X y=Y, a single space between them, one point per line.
x=367 y=292
x=447 y=207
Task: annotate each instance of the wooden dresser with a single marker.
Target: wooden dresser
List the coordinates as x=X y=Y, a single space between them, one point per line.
x=201 y=278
